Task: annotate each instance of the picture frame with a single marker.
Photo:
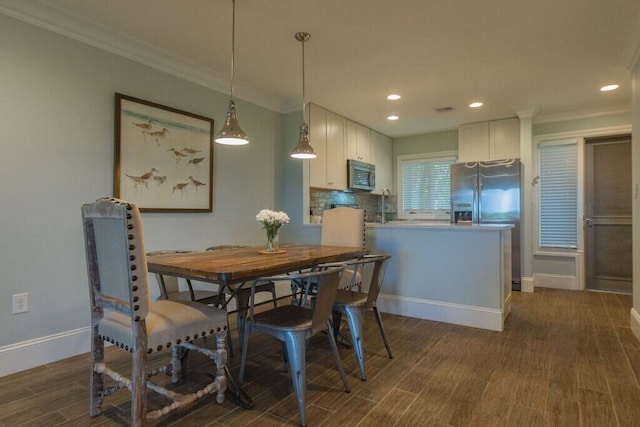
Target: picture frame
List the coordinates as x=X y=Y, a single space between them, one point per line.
x=163 y=157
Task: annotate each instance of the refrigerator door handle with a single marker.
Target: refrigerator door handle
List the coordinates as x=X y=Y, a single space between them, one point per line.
x=479 y=199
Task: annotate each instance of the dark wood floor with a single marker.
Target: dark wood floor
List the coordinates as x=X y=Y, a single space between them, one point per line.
x=565 y=358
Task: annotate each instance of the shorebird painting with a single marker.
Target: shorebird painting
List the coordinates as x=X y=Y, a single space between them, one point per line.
x=190 y=151
x=145 y=126
x=157 y=135
x=196 y=183
x=196 y=162
x=159 y=181
x=179 y=155
x=142 y=179
x=181 y=187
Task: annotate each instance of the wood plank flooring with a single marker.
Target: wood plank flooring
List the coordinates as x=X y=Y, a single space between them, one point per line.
x=566 y=358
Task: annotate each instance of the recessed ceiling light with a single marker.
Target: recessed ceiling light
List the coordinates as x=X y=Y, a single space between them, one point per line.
x=475 y=105
x=607 y=88
x=393 y=97
x=393 y=118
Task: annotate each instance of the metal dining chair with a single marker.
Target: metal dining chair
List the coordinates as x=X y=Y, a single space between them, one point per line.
x=294 y=325
x=242 y=296
x=123 y=314
x=170 y=286
x=353 y=303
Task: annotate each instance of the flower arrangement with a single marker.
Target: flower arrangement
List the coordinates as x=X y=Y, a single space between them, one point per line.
x=271 y=222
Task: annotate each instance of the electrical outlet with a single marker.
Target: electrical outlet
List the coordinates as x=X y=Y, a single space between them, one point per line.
x=20 y=303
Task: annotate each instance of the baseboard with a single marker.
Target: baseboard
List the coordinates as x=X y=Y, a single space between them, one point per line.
x=526 y=285
x=40 y=351
x=459 y=314
x=556 y=281
x=635 y=322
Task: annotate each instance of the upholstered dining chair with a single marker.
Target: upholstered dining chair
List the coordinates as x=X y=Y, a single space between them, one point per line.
x=123 y=314
x=353 y=303
x=170 y=286
x=343 y=226
x=294 y=325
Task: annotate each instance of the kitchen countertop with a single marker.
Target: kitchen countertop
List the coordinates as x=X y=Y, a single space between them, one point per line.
x=439 y=225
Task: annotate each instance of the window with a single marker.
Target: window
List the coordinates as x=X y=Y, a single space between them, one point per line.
x=558 y=172
x=425 y=187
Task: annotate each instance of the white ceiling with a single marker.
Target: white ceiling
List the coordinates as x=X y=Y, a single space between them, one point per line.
x=516 y=56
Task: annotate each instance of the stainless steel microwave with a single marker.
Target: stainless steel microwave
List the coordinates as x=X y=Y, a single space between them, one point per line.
x=361 y=176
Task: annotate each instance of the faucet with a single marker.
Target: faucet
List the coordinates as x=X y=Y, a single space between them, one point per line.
x=385 y=192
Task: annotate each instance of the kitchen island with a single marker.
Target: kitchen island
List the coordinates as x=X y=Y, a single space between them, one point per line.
x=450 y=273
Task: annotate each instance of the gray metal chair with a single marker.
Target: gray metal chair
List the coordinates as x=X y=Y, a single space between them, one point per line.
x=242 y=295
x=123 y=314
x=353 y=303
x=170 y=286
x=294 y=325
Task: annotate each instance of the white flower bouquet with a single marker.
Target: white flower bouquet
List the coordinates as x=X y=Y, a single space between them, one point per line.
x=271 y=222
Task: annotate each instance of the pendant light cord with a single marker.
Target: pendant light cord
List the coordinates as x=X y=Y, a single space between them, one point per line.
x=303 y=93
x=233 y=42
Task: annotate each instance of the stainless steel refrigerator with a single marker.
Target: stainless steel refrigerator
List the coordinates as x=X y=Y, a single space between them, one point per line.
x=489 y=193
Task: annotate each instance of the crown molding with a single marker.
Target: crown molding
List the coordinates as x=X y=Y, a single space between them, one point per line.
x=576 y=115
x=93 y=34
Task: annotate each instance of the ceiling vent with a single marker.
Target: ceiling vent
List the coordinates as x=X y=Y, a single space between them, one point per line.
x=444 y=109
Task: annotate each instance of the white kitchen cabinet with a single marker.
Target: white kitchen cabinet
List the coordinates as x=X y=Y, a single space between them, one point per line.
x=504 y=139
x=382 y=157
x=494 y=140
x=473 y=142
x=358 y=142
x=327 y=134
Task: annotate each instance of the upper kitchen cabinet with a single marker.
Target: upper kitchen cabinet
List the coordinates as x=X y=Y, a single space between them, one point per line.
x=327 y=135
x=358 y=142
x=494 y=140
x=382 y=157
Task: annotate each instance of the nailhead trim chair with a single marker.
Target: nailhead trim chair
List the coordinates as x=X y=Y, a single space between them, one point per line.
x=354 y=303
x=294 y=325
x=122 y=314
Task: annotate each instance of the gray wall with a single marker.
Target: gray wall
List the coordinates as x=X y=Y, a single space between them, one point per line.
x=56 y=134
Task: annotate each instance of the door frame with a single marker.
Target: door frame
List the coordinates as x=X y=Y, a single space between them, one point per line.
x=576 y=281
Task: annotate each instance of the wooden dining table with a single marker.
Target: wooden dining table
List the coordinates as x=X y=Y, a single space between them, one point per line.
x=237 y=267
x=233 y=266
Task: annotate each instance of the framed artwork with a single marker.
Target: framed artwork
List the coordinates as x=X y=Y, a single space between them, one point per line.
x=163 y=157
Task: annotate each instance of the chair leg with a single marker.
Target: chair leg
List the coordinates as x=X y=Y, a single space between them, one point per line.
x=381 y=327
x=139 y=389
x=354 y=319
x=229 y=341
x=243 y=353
x=97 y=379
x=296 y=351
x=274 y=296
x=337 y=318
x=336 y=357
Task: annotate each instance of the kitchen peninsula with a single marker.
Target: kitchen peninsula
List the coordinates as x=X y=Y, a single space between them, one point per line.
x=450 y=273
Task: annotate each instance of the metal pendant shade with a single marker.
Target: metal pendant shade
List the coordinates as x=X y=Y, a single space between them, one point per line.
x=303 y=150
x=231 y=132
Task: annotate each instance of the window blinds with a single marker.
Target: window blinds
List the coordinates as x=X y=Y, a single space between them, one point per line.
x=558 y=194
x=426 y=186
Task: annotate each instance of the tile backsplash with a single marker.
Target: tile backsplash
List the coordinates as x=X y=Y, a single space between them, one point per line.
x=323 y=199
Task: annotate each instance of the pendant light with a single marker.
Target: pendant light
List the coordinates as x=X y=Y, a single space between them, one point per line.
x=231 y=133
x=303 y=150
